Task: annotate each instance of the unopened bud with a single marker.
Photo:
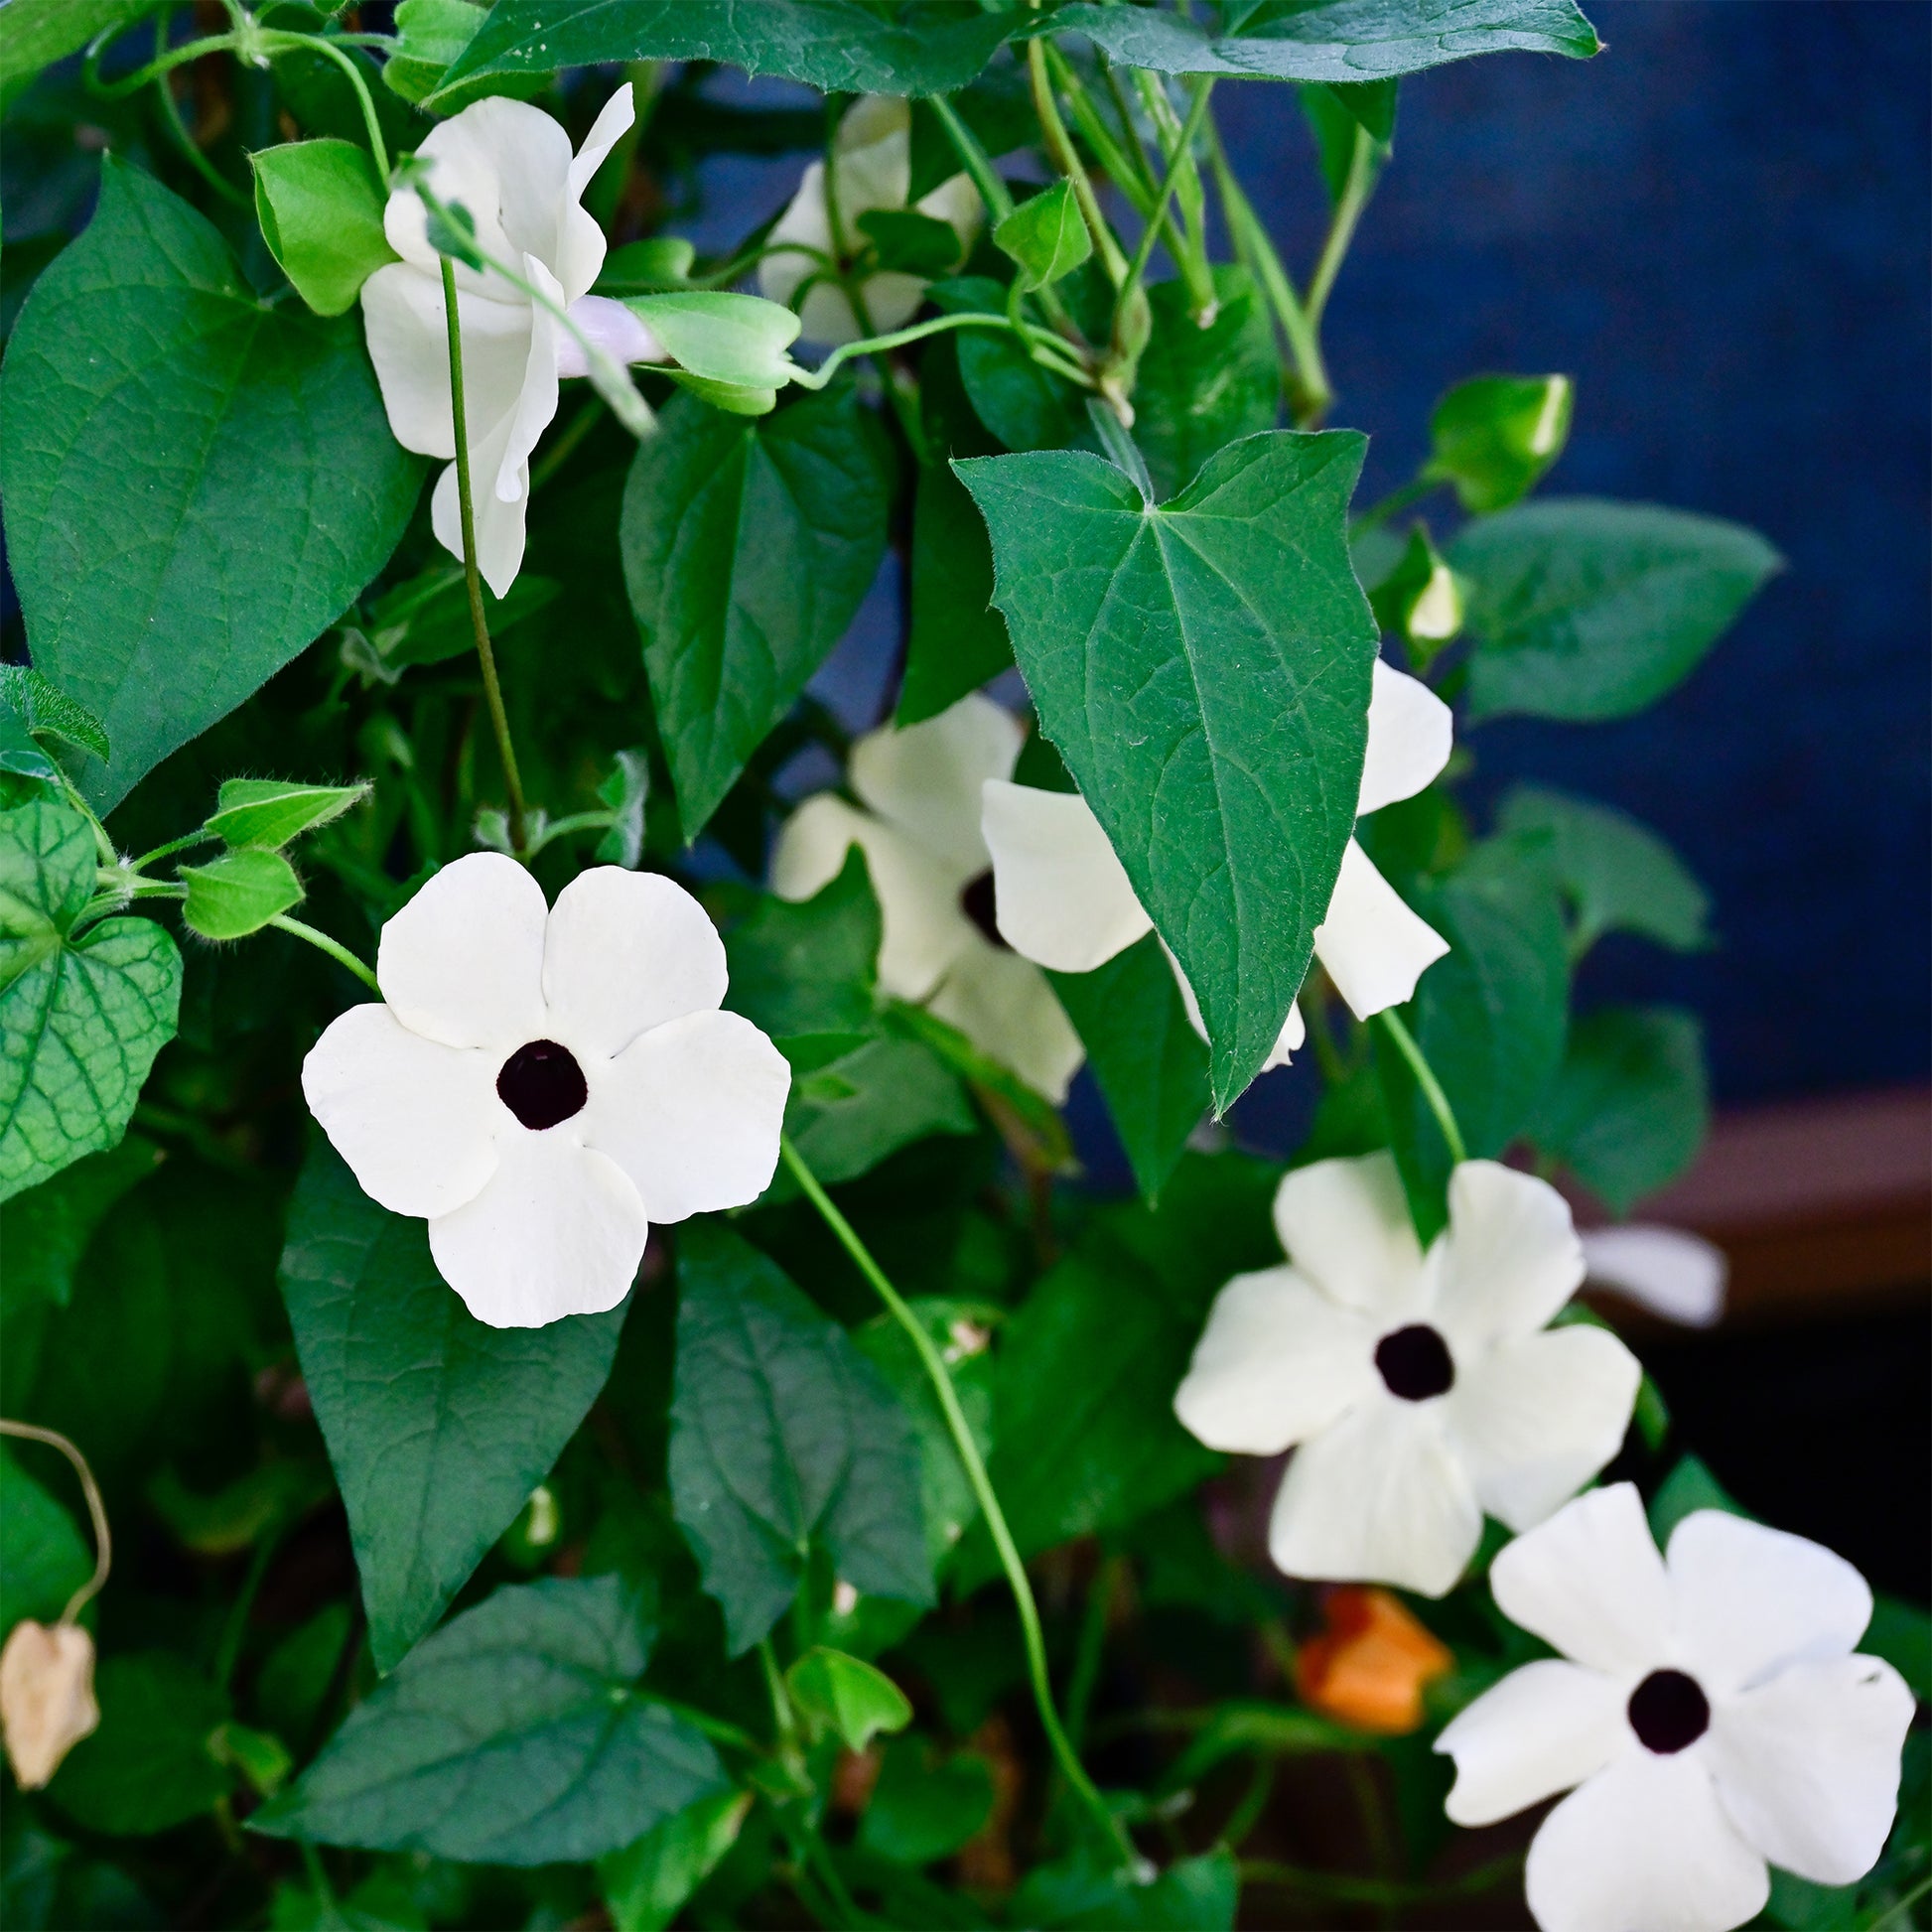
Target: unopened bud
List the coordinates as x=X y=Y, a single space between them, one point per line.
x=46 y=1697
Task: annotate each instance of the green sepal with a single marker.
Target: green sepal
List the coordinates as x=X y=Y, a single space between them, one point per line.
x=846 y=1697
x=1421 y=600
x=1495 y=435
x=736 y=342
x=320 y=204
x=1046 y=235
x=269 y=812
x=239 y=892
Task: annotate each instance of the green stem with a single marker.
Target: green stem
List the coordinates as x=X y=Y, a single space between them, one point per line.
x=1186 y=221
x=1431 y=1088
x=1093 y=1649
x=1355 y=192
x=185 y=141
x=974 y=1464
x=1041 y=345
x=485 y=656
x=322 y=943
x=1061 y=151
x=1394 y=503
x=235 y=1630
x=1177 y=163
x=1901 y=1909
x=278 y=40
x=130 y=84
x=1254 y=1800
x=183 y=843
x=973 y=159
x=783 y=1720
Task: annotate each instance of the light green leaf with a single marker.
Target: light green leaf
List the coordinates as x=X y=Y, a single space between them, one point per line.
x=196 y=485
x=738 y=341
x=81 y=1020
x=922 y=1808
x=846 y=1696
x=269 y=812
x=646 y=267
x=852 y=1106
x=514 y=1736
x=747 y=547
x=1046 y=235
x=320 y=204
x=437 y=1426
x=20 y=754
x=44 y=1558
x=45 y=708
x=1585 y=610
x=1495 y=435
x=1204 y=669
x=1689 y=1487
x=430 y=34
x=783 y=1436
x=150 y=1764
x=957 y=641
x=45 y=1231
x=41 y=32
x=239 y=892
x=647 y=1884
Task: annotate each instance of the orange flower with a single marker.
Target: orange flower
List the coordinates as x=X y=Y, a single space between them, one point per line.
x=1369 y=1667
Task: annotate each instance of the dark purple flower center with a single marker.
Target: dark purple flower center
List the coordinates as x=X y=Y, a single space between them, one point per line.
x=541 y=1084
x=1669 y=1710
x=1415 y=1362
x=976 y=901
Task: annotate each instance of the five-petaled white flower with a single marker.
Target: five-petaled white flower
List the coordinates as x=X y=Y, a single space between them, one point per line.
x=1708 y=1706
x=1417 y=1390
x=872 y=156
x=1062 y=896
x=510 y=167
x=929 y=868
x=541 y=1084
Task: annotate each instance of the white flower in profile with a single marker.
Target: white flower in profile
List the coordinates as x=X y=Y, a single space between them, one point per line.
x=873 y=157
x=510 y=167
x=1708 y=1706
x=541 y=1084
x=1417 y=1390
x=1666 y=1272
x=1063 y=898
x=921 y=834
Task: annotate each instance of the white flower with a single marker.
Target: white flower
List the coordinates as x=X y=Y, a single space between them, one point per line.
x=1679 y=1276
x=1418 y=1391
x=929 y=868
x=1707 y=1705
x=510 y=167
x=1062 y=896
x=542 y=1084
x=873 y=154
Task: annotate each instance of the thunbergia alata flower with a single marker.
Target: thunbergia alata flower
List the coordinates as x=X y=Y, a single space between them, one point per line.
x=1417 y=1390
x=1708 y=1708
x=510 y=167
x=873 y=154
x=541 y=1084
x=929 y=869
x=1667 y=1271
x=1063 y=898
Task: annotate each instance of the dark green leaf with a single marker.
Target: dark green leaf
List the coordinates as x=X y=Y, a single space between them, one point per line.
x=852 y=1106
x=924 y=1808
x=150 y=1764
x=267 y=813
x=41 y=32
x=45 y=1231
x=426 y=620
x=239 y=892
x=437 y=1426
x=1089 y=1889
x=320 y=204
x=846 y=1696
x=44 y=1558
x=1372 y=104
x=907 y=243
x=1022 y=405
x=1046 y=235
x=1339 y=129
x=1690 y=1487
x=957 y=640
x=1495 y=436
x=647 y=1882
x=196 y=485
x=19 y=753
x=1203 y=670
x=808 y=966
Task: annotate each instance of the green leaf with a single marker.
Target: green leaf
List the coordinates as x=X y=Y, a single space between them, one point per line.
x=1019 y=401
x=906 y=47
x=45 y=708
x=1151 y=1065
x=196 y=485
x=1690 y=1487
x=1617 y=875
x=239 y=892
x=44 y=1558
x=150 y=1764
x=45 y=1231
x=647 y=1884
x=41 y=32
x=1630 y=1105
x=906 y=242
x=1420 y=599
x=736 y=339
x=1338 y=116
x=924 y=1808
x=1495 y=435
x=646 y=267
x=808 y=966
x=81 y=1020
x=437 y=1426
x=957 y=641
x=20 y=754
x=1090 y=1889
x=512 y=1737
x=1585 y=610
x=429 y=35
x=1046 y=235
x=852 y=1106
x=626 y=791
x=269 y=812
x=846 y=1696
x=320 y=204
x=1345 y=41
x=1200 y=389
x=1204 y=669
x=783 y=1436
x=747 y=547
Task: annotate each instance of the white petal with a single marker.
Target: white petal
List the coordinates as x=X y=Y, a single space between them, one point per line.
x=1676 y=1274
x=559 y=1230
x=536 y=401
x=1345 y=1225
x=1537 y=1417
x=615 y=329
x=1061 y=894
x=462 y=961
x=1288 y=1042
x=1380 y=1497
x=402 y=323
x=1277 y=1364
x=924 y=928
x=1644 y=1843
x=807 y=225
x=528 y=153
x=955 y=201
x=1591 y=1583
x=580 y=242
x=626 y=951
x=1540 y=1730
x=891 y=298
x=1005 y=1007
x=611 y=126
x=926 y=779
x=874 y=156
x=691 y=1111
x=1511 y=1258
x=1808 y=1765
x=415 y=1120
x=1410 y=731
x=1370 y=942
x=1749 y=1600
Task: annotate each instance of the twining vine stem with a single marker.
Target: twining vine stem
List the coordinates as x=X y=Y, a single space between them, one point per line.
x=322 y=943
x=1431 y=1088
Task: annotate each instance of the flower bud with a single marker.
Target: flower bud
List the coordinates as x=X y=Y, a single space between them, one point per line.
x=46 y=1697
x=1369 y=1666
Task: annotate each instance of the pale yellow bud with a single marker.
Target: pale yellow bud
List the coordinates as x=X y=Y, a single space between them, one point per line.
x=46 y=1697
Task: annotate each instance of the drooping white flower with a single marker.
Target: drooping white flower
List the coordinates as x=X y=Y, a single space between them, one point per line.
x=1708 y=1708
x=1063 y=898
x=873 y=157
x=1668 y=1271
x=541 y=1084
x=929 y=868
x=1417 y=1391
x=510 y=165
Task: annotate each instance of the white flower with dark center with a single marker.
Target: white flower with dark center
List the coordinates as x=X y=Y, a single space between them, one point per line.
x=1417 y=1390
x=929 y=869
x=510 y=167
x=873 y=158
x=541 y=1084
x=1063 y=898
x=1708 y=1708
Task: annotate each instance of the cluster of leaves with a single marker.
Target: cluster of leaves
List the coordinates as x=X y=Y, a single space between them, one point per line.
x=690 y=1607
